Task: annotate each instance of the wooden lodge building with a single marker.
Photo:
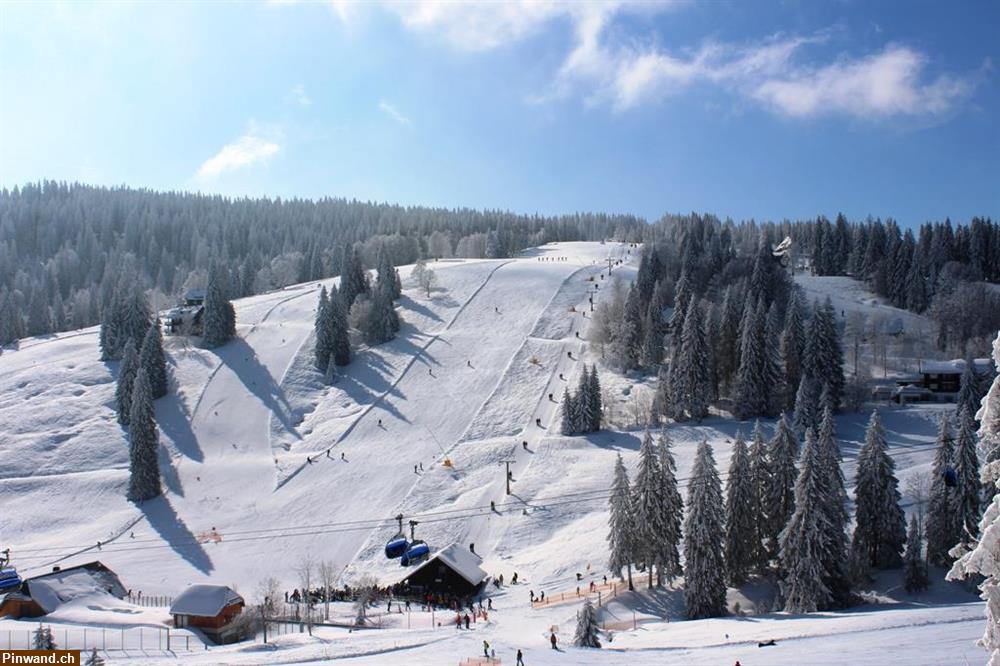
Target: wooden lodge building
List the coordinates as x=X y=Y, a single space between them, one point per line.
x=212 y=609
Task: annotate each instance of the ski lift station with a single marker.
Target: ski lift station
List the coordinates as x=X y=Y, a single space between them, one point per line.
x=451 y=571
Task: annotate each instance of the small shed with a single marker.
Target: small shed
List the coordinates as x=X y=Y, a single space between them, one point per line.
x=194 y=297
x=451 y=571
x=210 y=608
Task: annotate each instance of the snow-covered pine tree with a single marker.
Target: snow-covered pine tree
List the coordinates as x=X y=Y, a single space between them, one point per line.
x=834 y=506
x=682 y=299
x=152 y=358
x=750 y=394
x=668 y=558
x=39 y=316
x=759 y=481
x=340 y=336
x=134 y=315
x=588 y=633
x=112 y=336
x=386 y=276
x=568 y=410
x=493 y=248
x=620 y=539
x=144 y=443
x=943 y=526
x=984 y=557
x=584 y=402
x=594 y=388
x=323 y=332
x=915 y=566
x=704 y=566
x=774 y=376
x=652 y=342
x=691 y=388
x=802 y=540
x=42 y=638
x=741 y=518
x=648 y=510
x=968 y=394
x=880 y=529
x=12 y=323
x=627 y=346
x=218 y=320
x=353 y=279
x=726 y=345
x=126 y=380
x=823 y=356
x=779 y=500
x=967 y=506
x=94 y=659
x=806 y=399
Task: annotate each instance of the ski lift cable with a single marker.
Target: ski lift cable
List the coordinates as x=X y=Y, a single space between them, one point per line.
x=338 y=526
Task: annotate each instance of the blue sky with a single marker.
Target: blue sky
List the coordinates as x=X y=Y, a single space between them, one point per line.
x=743 y=108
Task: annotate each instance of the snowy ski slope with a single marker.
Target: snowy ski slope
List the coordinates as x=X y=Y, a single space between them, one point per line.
x=466 y=379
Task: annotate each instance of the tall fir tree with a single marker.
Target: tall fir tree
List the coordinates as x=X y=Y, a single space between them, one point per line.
x=967 y=506
x=969 y=388
x=620 y=524
x=727 y=342
x=750 y=394
x=915 y=577
x=943 y=526
x=567 y=426
x=219 y=318
x=834 y=506
x=704 y=566
x=668 y=559
x=652 y=342
x=585 y=402
x=823 y=355
x=802 y=541
x=774 y=376
x=144 y=443
x=126 y=381
x=880 y=526
x=805 y=416
x=759 y=481
x=779 y=502
x=741 y=517
x=340 y=329
x=648 y=509
x=153 y=359
x=689 y=373
x=323 y=347
x=594 y=388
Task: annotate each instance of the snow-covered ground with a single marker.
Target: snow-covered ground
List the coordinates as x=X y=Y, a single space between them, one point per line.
x=465 y=380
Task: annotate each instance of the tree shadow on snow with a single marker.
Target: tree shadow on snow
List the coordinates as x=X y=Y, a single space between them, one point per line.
x=162 y=517
x=242 y=360
x=408 y=303
x=176 y=424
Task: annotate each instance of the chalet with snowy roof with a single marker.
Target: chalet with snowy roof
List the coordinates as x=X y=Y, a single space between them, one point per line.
x=43 y=594
x=946 y=376
x=451 y=571
x=186 y=317
x=211 y=608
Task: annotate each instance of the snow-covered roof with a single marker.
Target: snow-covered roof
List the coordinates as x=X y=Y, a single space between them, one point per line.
x=953 y=367
x=53 y=589
x=462 y=560
x=204 y=600
x=910 y=389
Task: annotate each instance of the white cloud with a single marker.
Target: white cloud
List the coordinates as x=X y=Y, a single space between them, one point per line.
x=392 y=112
x=300 y=95
x=247 y=150
x=884 y=84
x=615 y=67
